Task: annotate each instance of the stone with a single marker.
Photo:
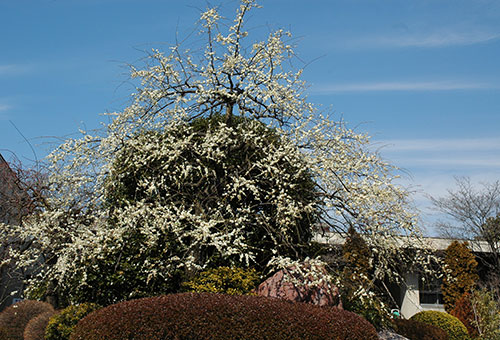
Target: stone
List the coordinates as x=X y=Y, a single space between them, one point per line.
x=278 y=286
x=388 y=335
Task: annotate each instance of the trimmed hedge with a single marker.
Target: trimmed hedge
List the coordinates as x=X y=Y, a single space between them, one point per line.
x=448 y=323
x=205 y=316
x=14 y=318
x=415 y=330
x=3 y=333
x=225 y=280
x=61 y=325
x=35 y=329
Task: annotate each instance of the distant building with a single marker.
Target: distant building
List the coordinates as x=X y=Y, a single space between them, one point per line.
x=13 y=200
x=418 y=294
x=13 y=203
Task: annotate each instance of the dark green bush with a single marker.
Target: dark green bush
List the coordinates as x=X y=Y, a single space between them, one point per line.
x=204 y=316
x=415 y=330
x=357 y=288
x=62 y=324
x=226 y=280
x=15 y=318
x=35 y=329
x=448 y=323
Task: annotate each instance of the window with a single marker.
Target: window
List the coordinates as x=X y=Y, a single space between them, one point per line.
x=430 y=291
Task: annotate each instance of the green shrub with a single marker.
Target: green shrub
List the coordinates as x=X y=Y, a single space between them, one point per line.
x=487 y=314
x=204 y=316
x=15 y=318
x=415 y=330
x=357 y=289
x=448 y=323
x=232 y=281
x=62 y=324
x=35 y=329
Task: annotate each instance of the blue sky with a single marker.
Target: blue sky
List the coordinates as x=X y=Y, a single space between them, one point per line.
x=421 y=77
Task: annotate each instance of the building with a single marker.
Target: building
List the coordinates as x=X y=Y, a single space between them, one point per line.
x=418 y=294
x=13 y=203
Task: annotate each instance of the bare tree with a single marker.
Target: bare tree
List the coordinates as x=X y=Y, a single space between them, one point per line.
x=476 y=215
x=22 y=192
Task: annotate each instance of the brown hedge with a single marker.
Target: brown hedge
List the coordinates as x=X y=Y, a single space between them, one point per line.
x=415 y=330
x=15 y=318
x=463 y=311
x=35 y=329
x=204 y=316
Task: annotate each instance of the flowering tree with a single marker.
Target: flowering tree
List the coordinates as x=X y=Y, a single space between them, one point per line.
x=121 y=192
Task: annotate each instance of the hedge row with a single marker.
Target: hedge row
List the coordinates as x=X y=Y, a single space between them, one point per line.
x=448 y=323
x=204 y=316
x=415 y=330
x=13 y=319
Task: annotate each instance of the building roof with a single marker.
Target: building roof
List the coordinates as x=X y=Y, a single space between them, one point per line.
x=432 y=243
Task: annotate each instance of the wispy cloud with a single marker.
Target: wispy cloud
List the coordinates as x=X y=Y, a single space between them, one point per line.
x=4 y=107
x=433 y=39
x=453 y=144
x=435 y=162
x=14 y=69
x=400 y=86
x=453 y=153
x=451 y=161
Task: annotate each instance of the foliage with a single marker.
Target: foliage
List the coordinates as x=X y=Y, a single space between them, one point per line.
x=216 y=316
x=460 y=273
x=86 y=238
x=61 y=325
x=357 y=284
x=415 y=330
x=14 y=318
x=35 y=329
x=487 y=314
x=464 y=312
x=476 y=211
x=232 y=281
x=448 y=323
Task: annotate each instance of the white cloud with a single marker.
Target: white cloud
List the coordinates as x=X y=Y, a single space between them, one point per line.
x=440 y=154
x=444 y=37
x=434 y=162
x=400 y=86
x=452 y=144
x=433 y=39
x=453 y=161
x=4 y=107
x=13 y=69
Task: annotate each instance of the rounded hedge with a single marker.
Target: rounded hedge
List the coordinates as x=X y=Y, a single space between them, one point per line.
x=35 y=329
x=224 y=280
x=448 y=323
x=14 y=318
x=204 y=316
x=61 y=325
x=415 y=330
x=3 y=333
